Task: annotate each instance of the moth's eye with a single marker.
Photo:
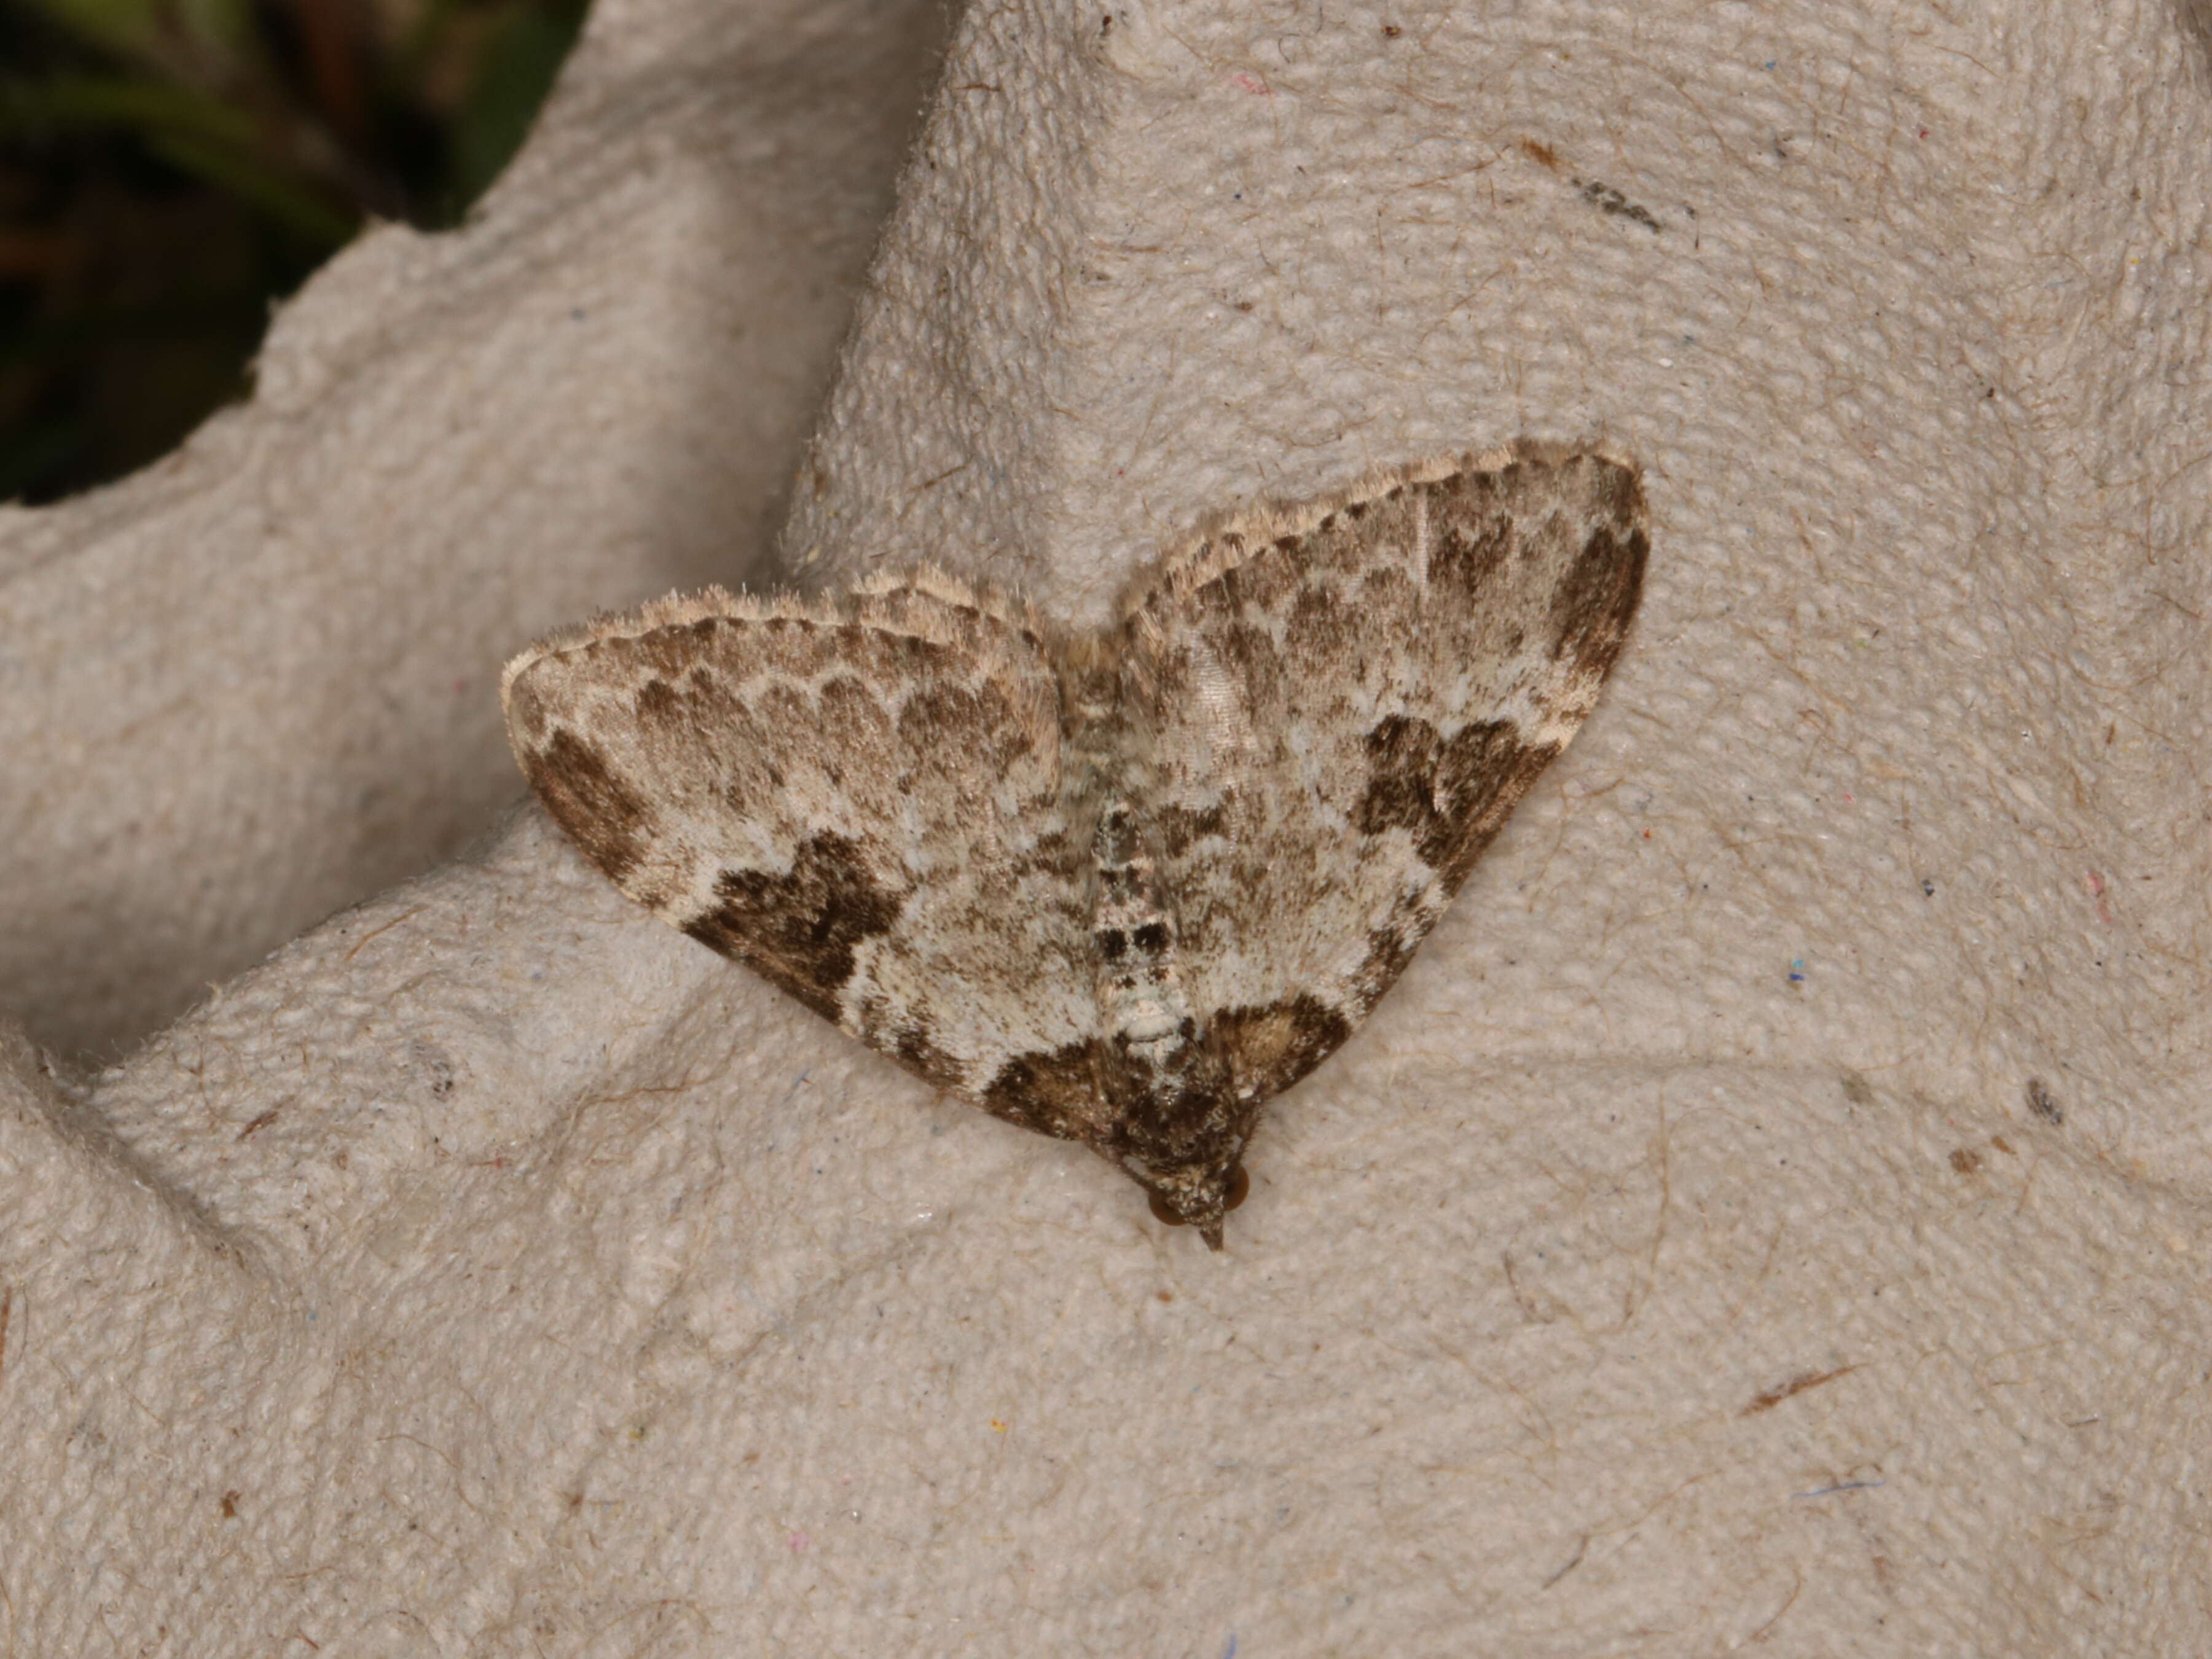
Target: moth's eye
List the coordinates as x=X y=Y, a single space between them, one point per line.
x=1240 y=1184
x=1160 y=1209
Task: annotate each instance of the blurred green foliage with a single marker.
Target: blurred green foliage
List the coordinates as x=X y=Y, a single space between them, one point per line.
x=170 y=167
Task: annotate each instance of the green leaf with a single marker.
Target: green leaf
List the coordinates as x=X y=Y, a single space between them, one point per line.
x=206 y=38
x=39 y=108
x=293 y=205
x=513 y=76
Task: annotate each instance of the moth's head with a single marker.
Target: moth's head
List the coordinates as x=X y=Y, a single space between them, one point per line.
x=1197 y=1195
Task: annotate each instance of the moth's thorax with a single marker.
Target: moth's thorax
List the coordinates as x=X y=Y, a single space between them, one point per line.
x=1091 y=696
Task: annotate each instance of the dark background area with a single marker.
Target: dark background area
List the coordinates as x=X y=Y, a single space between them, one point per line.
x=169 y=168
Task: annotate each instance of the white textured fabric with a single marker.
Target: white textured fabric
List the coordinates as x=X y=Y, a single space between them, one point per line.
x=1772 y=1209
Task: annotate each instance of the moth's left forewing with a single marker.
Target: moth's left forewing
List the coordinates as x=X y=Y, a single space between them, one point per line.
x=1340 y=703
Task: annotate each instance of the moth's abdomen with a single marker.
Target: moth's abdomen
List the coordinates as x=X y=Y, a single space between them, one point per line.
x=1168 y=1092
x=1141 y=998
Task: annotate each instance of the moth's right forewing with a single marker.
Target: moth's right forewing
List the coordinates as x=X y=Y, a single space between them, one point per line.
x=859 y=798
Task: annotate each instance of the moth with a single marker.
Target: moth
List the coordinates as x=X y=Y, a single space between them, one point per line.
x=1121 y=887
